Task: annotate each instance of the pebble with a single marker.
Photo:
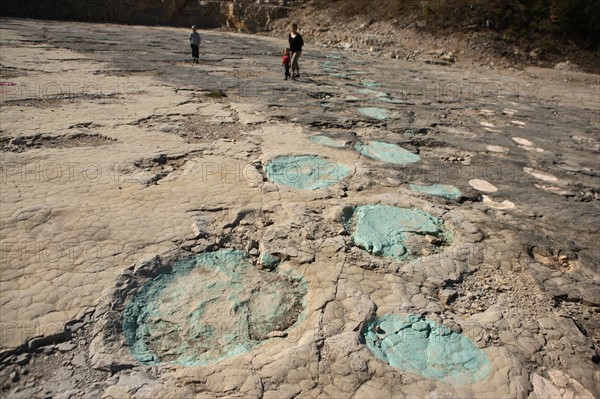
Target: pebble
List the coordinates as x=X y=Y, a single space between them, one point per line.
x=48 y=350
x=433 y=240
x=447 y=296
x=522 y=141
x=277 y=334
x=66 y=347
x=497 y=205
x=497 y=148
x=540 y=175
x=22 y=359
x=482 y=185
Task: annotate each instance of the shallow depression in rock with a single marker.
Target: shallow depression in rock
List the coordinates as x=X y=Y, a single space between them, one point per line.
x=387 y=152
x=327 y=141
x=399 y=233
x=210 y=307
x=421 y=346
x=306 y=172
x=439 y=190
x=380 y=114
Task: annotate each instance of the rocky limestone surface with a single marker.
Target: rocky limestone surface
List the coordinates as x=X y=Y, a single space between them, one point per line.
x=117 y=152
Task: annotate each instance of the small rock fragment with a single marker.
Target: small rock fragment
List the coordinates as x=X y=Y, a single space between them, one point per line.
x=433 y=240
x=66 y=347
x=447 y=296
x=277 y=334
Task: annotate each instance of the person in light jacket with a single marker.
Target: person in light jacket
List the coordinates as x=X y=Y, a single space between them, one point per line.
x=195 y=40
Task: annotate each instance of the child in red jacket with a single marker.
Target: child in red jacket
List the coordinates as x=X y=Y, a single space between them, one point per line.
x=286 y=63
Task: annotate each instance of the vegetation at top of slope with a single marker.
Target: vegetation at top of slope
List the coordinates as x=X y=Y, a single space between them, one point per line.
x=539 y=22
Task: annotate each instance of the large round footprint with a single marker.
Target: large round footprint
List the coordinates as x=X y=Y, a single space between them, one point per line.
x=306 y=172
x=387 y=152
x=399 y=233
x=420 y=346
x=209 y=307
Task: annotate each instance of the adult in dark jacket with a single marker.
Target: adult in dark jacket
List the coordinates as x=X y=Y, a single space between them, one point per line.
x=296 y=44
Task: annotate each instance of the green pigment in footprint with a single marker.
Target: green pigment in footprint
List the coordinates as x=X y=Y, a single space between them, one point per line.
x=393 y=232
x=387 y=152
x=306 y=172
x=420 y=346
x=210 y=307
x=370 y=83
x=326 y=140
x=439 y=190
x=372 y=93
x=380 y=114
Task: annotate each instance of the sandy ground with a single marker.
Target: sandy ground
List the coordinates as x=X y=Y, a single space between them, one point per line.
x=115 y=148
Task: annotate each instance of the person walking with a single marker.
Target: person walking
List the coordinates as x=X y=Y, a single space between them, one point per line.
x=296 y=43
x=195 y=40
x=285 y=61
